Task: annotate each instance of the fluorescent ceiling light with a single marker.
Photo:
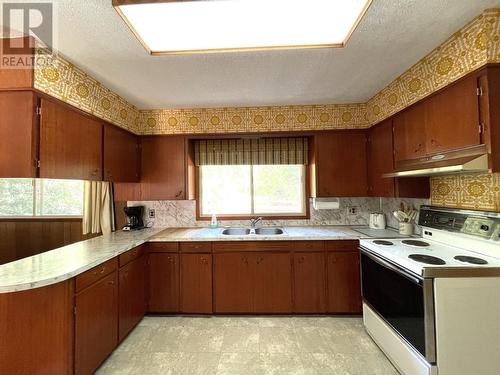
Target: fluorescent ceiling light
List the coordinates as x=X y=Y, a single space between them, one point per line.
x=169 y=27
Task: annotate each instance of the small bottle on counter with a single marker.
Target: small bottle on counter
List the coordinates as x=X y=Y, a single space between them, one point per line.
x=213 y=222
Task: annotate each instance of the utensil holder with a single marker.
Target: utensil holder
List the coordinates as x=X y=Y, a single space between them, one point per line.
x=406 y=229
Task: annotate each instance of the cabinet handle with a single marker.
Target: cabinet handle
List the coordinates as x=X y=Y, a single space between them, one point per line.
x=111 y=282
x=301 y=260
x=419 y=148
x=179 y=194
x=94 y=172
x=260 y=260
x=245 y=260
x=204 y=261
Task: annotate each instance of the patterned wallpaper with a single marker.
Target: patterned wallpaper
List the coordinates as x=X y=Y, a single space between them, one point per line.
x=476 y=44
x=472 y=191
x=63 y=80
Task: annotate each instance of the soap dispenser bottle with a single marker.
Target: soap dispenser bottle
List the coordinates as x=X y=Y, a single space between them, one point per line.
x=213 y=222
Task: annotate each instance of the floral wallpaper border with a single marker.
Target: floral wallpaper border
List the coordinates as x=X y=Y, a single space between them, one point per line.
x=470 y=191
x=473 y=46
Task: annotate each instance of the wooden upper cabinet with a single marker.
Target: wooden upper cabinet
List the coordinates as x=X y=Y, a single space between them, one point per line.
x=409 y=132
x=121 y=155
x=380 y=159
x=452 y=117
x=163 y=168
x=340 y=158
x=70 y=144
x=18 y=134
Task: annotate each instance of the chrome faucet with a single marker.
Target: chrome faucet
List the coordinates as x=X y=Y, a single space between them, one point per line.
x=254 y=221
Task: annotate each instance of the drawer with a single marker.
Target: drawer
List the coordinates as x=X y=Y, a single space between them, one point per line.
x=163 y=247
x=95 y=274
x=230 y=246
x=342 y=245
x=308 y=245
x=131 y=255
x=195 y=247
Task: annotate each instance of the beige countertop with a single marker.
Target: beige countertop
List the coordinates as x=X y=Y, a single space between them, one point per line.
x=66 y=262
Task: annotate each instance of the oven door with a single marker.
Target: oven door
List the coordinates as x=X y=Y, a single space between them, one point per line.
x=404 y=300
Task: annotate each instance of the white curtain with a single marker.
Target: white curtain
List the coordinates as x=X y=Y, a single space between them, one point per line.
x=98 y=208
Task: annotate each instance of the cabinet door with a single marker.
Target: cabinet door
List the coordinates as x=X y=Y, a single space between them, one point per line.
x=344 y=287
x=341 y=164
x=452 y=117
x=18 y=134
x=380 y=160
x=132 y=296
x=409 y=133
x=233 y=283
x=70 y=144
x=272 y=283
x=163 y=285
x=121 y=155
x=96 y=324
x=196 y=283
x=163 y=168
x=309 y=282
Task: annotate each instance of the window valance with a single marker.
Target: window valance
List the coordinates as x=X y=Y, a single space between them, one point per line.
x=262 y=151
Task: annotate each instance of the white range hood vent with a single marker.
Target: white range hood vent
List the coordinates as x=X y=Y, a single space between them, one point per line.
x=472 y=159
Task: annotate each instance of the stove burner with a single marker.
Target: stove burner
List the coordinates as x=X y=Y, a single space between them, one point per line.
x=426 y=259
x=416 y=243
x=471 y=260
x=383 y=242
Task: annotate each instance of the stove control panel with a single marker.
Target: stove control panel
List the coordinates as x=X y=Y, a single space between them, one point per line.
x=476 y=223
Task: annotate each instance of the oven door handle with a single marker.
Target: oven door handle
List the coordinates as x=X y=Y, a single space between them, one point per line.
x=391 y=267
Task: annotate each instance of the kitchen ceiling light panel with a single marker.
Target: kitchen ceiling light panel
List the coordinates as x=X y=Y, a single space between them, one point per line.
x=176 y=27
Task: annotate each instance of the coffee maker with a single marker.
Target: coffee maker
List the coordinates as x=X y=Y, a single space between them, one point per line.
x=134 y=217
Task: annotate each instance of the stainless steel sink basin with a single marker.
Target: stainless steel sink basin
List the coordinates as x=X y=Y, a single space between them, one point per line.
x=268 y=231
x=236 y=231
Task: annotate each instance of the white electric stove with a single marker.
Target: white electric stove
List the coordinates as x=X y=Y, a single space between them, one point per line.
x=433 y=303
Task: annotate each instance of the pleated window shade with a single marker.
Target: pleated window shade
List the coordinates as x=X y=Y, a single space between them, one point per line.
x=262 y=151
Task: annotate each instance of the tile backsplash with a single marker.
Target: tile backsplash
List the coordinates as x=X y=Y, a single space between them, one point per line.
x=183 y=213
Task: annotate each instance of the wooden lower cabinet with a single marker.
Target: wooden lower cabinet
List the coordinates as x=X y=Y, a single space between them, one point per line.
x=96 y=324
x=309 y=282
x=196 y=283
x=163 y=283
x=233 y=285
x=36 y=330
x=253 y=282
x=344 y=286
x=132 y=295
x=273 y=283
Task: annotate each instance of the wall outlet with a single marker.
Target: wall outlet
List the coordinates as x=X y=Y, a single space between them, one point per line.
x=151 y=213
x=352 y=210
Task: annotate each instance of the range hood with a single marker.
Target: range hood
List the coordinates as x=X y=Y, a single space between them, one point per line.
x=471 y=159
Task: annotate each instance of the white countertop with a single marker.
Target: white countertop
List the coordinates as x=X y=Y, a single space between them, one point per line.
x=290 y=233
x=66 y=262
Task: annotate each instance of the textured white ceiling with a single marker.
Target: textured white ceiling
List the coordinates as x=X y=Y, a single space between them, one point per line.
x=392 y=37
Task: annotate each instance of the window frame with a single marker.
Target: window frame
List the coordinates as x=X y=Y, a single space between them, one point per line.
x=33 y=215
x=304 y=215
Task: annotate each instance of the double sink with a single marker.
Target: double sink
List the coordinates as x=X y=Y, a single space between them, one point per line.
x=252 y=231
